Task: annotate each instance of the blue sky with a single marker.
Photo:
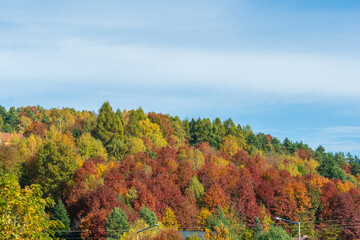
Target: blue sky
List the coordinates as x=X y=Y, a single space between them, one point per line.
x=288 y=68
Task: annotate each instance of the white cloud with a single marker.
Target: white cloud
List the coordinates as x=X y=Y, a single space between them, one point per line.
x=281 y=74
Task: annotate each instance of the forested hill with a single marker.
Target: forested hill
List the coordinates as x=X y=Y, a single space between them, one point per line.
x=80 y=175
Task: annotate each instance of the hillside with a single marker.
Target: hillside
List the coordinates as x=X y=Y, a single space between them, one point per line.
x=111 y=173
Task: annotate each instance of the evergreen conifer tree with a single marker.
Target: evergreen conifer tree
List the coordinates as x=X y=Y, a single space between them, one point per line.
x=108 y=125
x=116 y=224
x=148 y=215
x=59 y=213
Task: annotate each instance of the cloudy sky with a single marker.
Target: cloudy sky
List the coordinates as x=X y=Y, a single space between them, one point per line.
x=290 y=68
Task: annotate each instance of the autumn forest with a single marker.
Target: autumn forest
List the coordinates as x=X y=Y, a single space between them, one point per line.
x=69 y=174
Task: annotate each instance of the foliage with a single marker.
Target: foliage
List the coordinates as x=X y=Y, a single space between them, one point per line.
x=275 y=233
x=109 y=128
x=89 y=147
x=22 y=211
x=221 y=233
x=203 y=218
x=138 y=225
x=169 y=219
x=153 y=132
x=9 y=158
x=1 y=123
x=59 y=213
x=168 y=234
x=148 y=215
x=196 y=188
x=132 y=159
x=217 y=219
x=57 y=162
x=229 y=145
x=135 y=145
x=116 y=224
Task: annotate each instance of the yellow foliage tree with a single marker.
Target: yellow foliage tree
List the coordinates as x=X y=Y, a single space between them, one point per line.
x=266 y=220
x=196 y=159
x=344 y=187
x=203 y=217
x=141 y=224
x=222 y=162
x=34 y=142
x=135 y=145
x=22 y=211
x=319 y=180
x=221 y=233
x=24 y=123
x=298 y=191
x=90 y=147
x=169 y=219
x=153 y=132
x=63 y=119
x=229 y=144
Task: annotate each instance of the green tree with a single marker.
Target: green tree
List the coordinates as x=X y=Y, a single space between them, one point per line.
x=148 y=215
x=108 y=126
x=179 y=133
x=116 y=224
x=57 y=162
x=258 y=230
x=59 y=213
x=329 y=167
x=354 y=162
x=219 y=132
x=133 y=125
x=1 y=123
x=3 y=112
x=278 y=147
x=186 y=127
x=90 y=147
x=275 y=233
x=289 y=146
x=7 y=128
x=217 y=219
x=196 y=188
x=201 y=130
x=117 y=148
x=230 y=127
x=12 y=118
x=22 y=211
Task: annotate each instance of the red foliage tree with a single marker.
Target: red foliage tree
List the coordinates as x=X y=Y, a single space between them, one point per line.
x=36 y=128
x=186 y=211
x=215 y=197
x=346 y=213
x=265 y=193
x=116 y=181
x=244 y=197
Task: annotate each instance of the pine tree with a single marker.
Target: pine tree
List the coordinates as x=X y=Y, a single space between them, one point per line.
x=148 y=215
x=60 y=213
x=116 y=224
x=108 y=125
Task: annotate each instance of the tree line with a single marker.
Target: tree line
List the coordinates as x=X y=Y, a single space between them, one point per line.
x=108 y=174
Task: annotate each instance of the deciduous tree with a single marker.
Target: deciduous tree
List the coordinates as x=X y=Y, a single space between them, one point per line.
x=22 y=211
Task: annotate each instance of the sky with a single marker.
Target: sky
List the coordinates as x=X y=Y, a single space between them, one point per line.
x=287 y=68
